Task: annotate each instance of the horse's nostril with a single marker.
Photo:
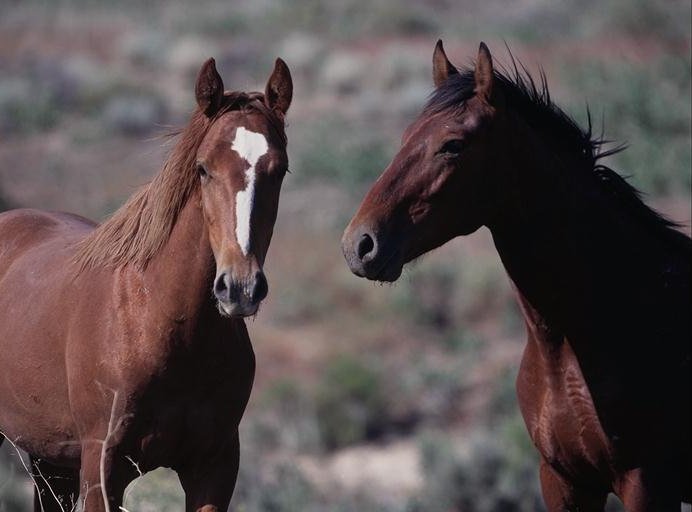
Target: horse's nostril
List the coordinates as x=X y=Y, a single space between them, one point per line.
x=221 y=288
x=260 y=289
x=365 y=246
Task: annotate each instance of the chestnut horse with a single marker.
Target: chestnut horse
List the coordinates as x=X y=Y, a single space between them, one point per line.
x=116 y=355
x=602 y=280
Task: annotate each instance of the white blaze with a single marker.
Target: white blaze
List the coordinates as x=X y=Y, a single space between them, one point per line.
x=250 y=146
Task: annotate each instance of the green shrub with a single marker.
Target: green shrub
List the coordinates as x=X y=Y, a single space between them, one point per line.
x=25 y=109
x=289 y=492
x=354 y=18
x=339 y=151
x=503 y=401
x=133 y=114
x=283 y=489
x=157 y=491
x=662 y=19
x=427 y=297
x=283 y=418
x=646 y=108
x=350 y=405
x=483 y=478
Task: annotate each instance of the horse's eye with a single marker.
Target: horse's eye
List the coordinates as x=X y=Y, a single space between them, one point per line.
x=452 y=147
x=202 y=171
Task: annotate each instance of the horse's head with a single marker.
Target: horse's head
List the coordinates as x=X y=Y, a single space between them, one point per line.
x=241 y=163
x=437 y=186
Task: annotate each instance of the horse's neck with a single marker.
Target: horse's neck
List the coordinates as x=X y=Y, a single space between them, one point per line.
x=182 y=271
x=542 y=233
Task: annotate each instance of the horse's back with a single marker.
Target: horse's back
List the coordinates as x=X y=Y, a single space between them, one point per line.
x=32 y=223
x=23 y=229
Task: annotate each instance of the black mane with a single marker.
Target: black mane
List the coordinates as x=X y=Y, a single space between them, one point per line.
x=531 y=100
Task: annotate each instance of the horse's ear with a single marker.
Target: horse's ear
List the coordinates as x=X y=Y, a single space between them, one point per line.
x=483 y=73
x=209 y=88
x=442 y=68
x=279 y=90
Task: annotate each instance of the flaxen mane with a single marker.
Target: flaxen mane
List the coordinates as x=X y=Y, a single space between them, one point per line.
x=138 y=230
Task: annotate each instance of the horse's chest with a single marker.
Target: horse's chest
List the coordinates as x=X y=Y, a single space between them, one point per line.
x=195 y=408
x=560 y=414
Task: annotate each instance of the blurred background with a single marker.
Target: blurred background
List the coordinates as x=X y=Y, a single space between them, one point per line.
x=367 y=398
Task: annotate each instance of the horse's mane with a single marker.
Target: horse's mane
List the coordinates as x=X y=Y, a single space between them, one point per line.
x=531 y=100
x=138 y=230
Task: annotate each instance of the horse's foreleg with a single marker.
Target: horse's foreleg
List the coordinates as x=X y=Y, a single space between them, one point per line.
x=56 y=489
x=208 y=482
x=102 y=483
x=560 y=495
x=649 y=490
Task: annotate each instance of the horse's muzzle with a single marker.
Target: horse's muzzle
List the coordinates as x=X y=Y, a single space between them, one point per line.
x=240 y=298
x=369 y=255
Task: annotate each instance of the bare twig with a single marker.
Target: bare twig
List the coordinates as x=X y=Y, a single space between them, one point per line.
x=32 y=476
x=129 y=491
x=50 y=488
x=104 y=447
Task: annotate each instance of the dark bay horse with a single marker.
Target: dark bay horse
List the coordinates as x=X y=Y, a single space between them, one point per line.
x=603 y=281
x=122 y=346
